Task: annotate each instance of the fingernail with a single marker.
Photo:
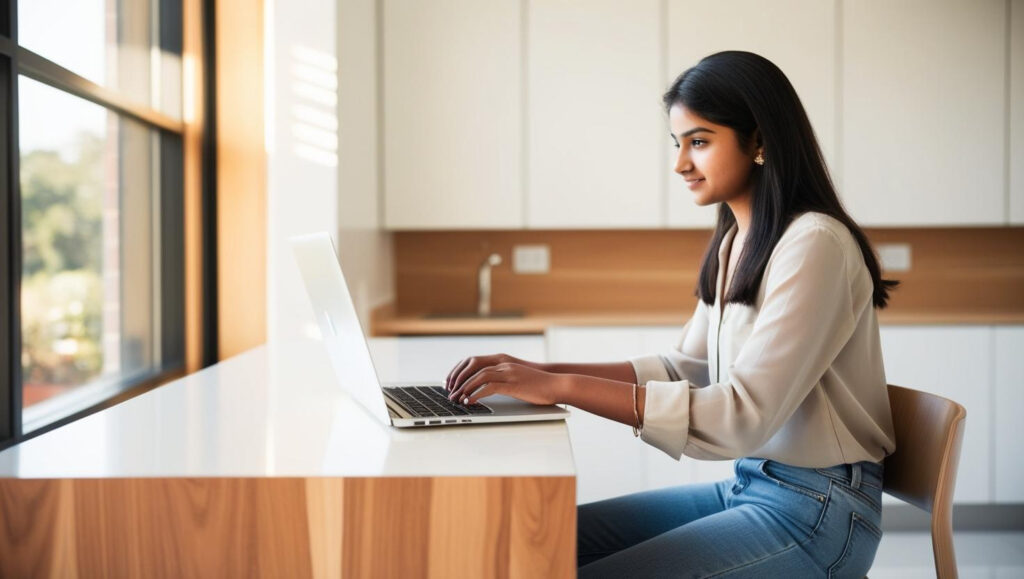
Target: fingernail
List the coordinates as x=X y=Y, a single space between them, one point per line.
x=465 y=400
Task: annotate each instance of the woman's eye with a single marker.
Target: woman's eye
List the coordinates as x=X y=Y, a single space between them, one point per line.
x=676 y=145
x=697 y=143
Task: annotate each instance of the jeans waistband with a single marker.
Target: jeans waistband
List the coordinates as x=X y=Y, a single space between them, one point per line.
x=856 y=475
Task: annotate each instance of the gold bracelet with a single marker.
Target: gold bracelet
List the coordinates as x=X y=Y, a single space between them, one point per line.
x=636 y=413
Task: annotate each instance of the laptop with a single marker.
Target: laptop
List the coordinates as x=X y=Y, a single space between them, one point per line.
x=420 y=404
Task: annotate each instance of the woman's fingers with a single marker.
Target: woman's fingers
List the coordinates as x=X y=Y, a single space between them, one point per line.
x=484 y=390
x=516 y=380
x=460 y=384
x=468 y=370
x=477 y=378
x=464 y=370
x=499 y=374
x=475 y=365
x=449 y=382
x=487 y=381
x=470 y=366
x=448 y=379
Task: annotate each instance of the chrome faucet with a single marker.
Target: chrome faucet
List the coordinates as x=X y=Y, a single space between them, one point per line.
x=483 y=304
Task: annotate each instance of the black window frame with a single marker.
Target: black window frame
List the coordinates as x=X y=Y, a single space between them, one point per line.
x=14 y=61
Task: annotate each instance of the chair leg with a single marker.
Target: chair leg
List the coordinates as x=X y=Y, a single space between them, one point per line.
x=942 y=545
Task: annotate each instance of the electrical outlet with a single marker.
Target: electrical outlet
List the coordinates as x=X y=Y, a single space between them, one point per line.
x=894 y=256
x=532 y=259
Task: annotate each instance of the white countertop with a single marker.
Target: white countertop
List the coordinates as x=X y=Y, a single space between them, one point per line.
x=277 y=411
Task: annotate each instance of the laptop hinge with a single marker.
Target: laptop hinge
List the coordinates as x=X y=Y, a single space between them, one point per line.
x=395 y=410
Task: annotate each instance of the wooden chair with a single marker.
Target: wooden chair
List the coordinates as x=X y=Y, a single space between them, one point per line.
x=922 y=471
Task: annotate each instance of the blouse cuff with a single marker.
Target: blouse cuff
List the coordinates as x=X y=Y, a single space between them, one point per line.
x=667 y=416
x=649 y=368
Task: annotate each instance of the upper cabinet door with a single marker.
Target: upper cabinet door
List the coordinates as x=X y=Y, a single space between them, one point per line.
x=797 y=35
x=924 y=104
x=1017 y=112
x=596 y=131
x=452 y=114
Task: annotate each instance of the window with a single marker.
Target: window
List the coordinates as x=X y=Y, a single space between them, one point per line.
x=92 y=263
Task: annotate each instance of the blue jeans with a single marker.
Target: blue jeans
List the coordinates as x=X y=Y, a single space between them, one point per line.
x=772 y=520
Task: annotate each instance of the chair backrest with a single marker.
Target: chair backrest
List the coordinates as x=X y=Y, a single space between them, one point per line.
x=922 y=470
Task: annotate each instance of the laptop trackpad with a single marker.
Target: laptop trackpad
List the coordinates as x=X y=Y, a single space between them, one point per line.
x=508 y=406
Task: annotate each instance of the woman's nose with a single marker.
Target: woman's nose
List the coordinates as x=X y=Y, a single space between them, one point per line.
x=683 y=164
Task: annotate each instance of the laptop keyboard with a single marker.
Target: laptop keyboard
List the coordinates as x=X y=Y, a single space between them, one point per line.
x=432 y=401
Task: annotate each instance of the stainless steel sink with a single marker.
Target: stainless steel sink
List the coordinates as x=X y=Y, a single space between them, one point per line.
x=473 y=315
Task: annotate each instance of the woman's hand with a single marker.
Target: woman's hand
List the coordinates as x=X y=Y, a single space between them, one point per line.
x=511 y=379
x=466 y=368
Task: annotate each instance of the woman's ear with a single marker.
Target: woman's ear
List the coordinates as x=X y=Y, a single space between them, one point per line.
x=757 y=147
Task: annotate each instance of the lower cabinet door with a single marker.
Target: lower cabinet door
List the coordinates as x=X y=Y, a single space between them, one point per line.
x=955 y=362
x=1009 y=408
x=609 y=461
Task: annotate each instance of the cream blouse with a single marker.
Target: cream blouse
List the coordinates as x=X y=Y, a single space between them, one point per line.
x=797 y=378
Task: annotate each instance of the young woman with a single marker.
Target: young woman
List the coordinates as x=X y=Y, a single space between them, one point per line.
x=780 y=366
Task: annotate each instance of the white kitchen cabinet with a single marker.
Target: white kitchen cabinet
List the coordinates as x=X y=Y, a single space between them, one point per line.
x=1009 y=408
x=596 y=131
x=923 y=112
x=432 y=357
x=587 y=344
x=797 y=35
x=1017 y=112
x=654 y=339
x=956 y=362
x=609 y=461
x=453 y=118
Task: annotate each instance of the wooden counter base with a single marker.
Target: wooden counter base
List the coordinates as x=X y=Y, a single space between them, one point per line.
x=289 y=527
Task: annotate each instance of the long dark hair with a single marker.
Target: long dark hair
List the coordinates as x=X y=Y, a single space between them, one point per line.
x=750 y=95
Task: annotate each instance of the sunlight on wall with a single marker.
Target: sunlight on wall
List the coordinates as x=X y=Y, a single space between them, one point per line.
x=313 y=120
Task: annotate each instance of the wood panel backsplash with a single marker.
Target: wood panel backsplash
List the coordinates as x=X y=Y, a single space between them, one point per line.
x=955 y=271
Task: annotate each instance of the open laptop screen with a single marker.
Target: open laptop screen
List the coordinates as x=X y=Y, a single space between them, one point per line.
x=336 y=315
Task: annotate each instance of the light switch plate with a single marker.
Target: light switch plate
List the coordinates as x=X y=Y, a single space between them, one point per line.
x=531 y=259
x=894 y=256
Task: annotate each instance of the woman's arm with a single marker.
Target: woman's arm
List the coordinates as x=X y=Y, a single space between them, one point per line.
x=612 y=399
x=617 y=371
x=687 y=360
x=608 y=398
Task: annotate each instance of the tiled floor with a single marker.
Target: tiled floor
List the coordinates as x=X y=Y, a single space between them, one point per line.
x=989 y=555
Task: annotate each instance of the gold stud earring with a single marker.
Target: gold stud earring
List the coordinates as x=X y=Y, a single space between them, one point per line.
x=759 y=159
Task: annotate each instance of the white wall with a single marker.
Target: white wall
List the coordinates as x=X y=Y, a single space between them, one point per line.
x=322 y=153
x=365 y=249
x=301 y=176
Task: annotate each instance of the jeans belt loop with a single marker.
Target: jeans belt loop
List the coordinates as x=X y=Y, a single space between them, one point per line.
x=855 y=475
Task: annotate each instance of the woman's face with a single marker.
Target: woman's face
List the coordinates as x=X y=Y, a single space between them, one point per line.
x=716 y=166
